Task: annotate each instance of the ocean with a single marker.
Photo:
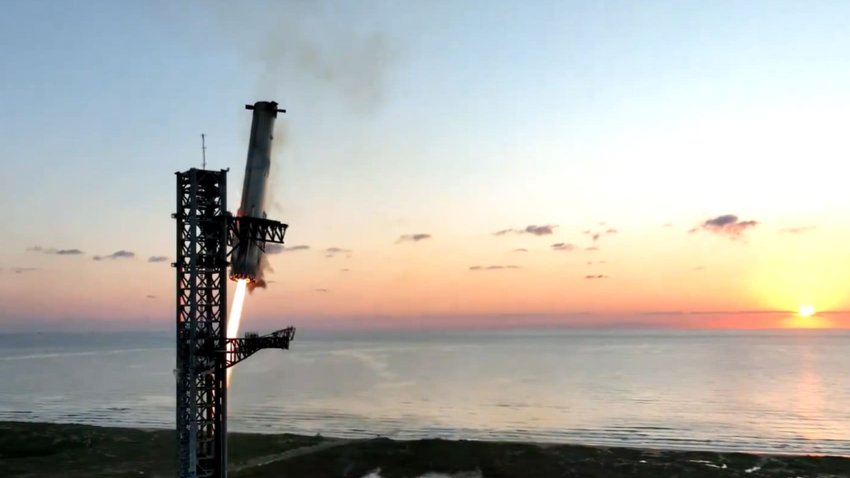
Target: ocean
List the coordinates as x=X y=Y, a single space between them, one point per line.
x=755 y=391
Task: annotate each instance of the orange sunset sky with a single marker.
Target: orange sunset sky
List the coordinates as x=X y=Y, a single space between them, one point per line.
x=491 y=164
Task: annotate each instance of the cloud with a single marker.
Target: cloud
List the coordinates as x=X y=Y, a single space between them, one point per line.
x=280 y=248
x=597 y=276
x=543 y=230
x=413 y=237
x=58 y=252
x=151 y=296
x=321 y=290
x=797 y=230
x=727 y=224
x=23 y=270
x=333 y=251
x=596 y=235
x=591 y=248
x=492 y=268
x=563 y=246
x=699 y=268
x=344 y=270
x=596 y=262
x=520 y=249
x=122 y=254
x=158 y=259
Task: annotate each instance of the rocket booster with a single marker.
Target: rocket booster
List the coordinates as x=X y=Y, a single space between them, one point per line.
x=247 y=258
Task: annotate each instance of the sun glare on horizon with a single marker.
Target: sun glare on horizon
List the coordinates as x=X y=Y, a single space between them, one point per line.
x=807 y=310
x=807 y=318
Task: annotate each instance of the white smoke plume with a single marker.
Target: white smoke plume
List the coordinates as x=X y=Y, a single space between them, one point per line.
x=326 y=45
x=322 y=49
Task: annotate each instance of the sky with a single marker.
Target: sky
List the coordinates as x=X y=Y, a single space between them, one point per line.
x=474 y=164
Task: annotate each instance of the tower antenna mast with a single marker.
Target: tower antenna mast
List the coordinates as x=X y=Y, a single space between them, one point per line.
x=203 y=151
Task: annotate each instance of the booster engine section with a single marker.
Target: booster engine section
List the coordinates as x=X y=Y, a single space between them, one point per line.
x=247 y=257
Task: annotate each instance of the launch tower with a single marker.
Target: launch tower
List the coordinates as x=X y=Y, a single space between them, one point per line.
x=207 y=235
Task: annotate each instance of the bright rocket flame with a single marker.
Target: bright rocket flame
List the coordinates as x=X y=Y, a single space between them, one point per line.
x=236 y=308
x=235 y=316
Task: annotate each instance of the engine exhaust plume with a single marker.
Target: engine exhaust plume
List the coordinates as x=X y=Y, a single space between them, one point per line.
x=235 y=316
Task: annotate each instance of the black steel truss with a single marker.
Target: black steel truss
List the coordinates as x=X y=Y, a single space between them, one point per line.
x=204 y=232
x=201 y=323
x=240 y=349
x=245 y=229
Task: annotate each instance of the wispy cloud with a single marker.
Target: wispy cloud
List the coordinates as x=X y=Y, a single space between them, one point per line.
x=122 y=254
x=345 y=270
x=69 y=252
x=597 y=276
x=334 y=251
x=591 y=248
x=728 y=225
x=797 y=230
x=563 y=246
x=23 y=270
x=596 y=235
x=321 y=290
x=280 y=248
x=149 y=296
x=543 y=230
x=492 y=268
x=520 y=249
x=158 y=259
x=58 y=252
x=413 y=237
x=596 y=262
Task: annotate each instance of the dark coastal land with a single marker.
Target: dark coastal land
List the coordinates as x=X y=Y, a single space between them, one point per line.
x=67 y=450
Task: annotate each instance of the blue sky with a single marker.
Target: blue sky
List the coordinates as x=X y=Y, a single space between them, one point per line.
x=454 y=119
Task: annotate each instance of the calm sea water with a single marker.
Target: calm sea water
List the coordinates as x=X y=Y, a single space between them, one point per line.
x=755 y=391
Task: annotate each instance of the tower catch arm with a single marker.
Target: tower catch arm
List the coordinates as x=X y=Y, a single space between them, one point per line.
x=244 y=229
x=242 y=348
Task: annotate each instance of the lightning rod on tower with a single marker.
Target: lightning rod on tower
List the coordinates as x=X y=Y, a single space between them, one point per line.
x=203 y=151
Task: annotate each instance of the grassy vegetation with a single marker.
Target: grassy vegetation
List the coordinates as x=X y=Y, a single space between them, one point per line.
x=54 y=450
x=502 y=460
x=48 y=449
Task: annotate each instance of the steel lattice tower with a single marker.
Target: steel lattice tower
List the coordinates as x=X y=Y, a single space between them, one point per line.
x=205 y=232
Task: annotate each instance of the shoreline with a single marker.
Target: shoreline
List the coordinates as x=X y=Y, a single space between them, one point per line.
x=30 y=449
x=362 y=436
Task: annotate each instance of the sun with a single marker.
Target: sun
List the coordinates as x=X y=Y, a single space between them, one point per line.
x=806 y=318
